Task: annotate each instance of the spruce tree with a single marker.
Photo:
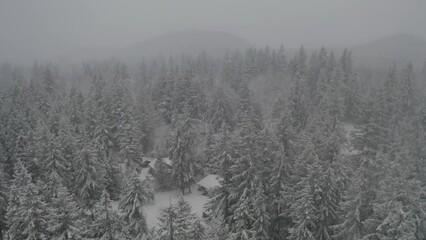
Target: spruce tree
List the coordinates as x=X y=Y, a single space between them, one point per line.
x=89 y=175
x=106 y=225
x=220 y=112
x=356 y=205
x=261 y=225
x=53 y=160
x=64 y=218
x=26 y=212
x=132 y=200
x=181 y=151
x=222 y=162
x=303 y=209
x=298 y=107
x=3 y=198
x=179 y=223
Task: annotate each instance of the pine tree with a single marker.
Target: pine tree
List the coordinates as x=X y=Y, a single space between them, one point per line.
x=179 y=223
x=356 y=205
x=350 y=87
x=26 y=212
x=217 y=230
x=298 y=64
x=64 y=218
x=3 y=197
x=261 y=225
x=113 y=175
x=298 y=107
x=188 y=94
x=220 y=112
x=186 y=223
x=396 y=207
x=102 y=135
x=106 y=225
x=132 y=200
x=408 y=90
x=243 y=196
x=222 y=162
x=53 y=160
x=76 y=112
x=278 y=195
x=125 y=128
x=162 y=94
x=166 y=230
x=181 y=151
x=303 y=209
x=129 y=139
x=89 y=175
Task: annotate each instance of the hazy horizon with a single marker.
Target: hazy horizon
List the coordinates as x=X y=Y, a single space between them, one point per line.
x=44 y=29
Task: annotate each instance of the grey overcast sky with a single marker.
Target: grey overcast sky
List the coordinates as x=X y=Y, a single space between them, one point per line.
x=39 y=28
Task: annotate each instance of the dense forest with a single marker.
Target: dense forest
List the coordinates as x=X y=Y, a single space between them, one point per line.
x=74 y=139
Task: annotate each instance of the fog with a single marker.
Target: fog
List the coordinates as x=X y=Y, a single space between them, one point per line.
x=44 y=29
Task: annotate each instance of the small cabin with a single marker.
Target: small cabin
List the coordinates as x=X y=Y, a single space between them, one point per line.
x=208 y=183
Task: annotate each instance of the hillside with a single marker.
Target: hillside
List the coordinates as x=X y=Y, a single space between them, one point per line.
x=398 y=48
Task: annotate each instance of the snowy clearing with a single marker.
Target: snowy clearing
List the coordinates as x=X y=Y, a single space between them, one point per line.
x=162 y=200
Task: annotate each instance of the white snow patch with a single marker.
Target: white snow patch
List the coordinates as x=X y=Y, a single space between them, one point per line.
x=162 y=200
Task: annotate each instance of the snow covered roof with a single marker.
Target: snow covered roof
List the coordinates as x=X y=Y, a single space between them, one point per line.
x=152 y=163
x=210 y=181
x=167 y=161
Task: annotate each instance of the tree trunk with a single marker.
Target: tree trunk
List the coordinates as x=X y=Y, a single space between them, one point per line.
x=182 y=187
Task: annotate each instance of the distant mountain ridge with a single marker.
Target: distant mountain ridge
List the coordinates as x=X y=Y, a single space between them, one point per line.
x=399 y=48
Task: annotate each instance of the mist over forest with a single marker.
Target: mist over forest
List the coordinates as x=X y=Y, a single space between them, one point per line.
x=190 y=125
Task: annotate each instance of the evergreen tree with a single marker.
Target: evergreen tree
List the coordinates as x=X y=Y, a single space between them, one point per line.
x=357 y=202
x=132 y=200
x=106 y=225
x=181 y=151
x=179 y=223
x=76 y=110
x=113 y=175
x=350 y=87
x=166 y=229
x=26 y=212
x=298 y=107
x=408 y=90
x=217 y=230
x=396 y=207
x=3 y=197
x=222 y=161
x=261 y=225
x=188 y=96
x=53 y=160
x=89 y=175
x=303 y=209
x=64 y=218
x=278 y=195
x=220 y=112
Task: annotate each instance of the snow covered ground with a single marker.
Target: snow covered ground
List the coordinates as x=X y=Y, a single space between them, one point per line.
x=196 y=199
x=162 y=200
